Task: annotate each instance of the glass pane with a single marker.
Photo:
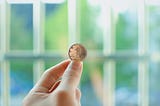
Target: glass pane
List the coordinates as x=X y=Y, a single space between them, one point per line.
x=91 y=18
x=0 y=55
x=91 y=84
x=56 y=27
x=21 y=27
x=154 y=84
x=126 y=27
x=0 y=86
x=154 y=26
x=126 y=83
x=50 y=63
x=21 y=80
x=0 y=27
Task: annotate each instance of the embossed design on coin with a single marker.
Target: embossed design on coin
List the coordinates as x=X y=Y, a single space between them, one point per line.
x=77 y=52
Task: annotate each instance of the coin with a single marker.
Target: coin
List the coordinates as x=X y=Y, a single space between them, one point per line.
x=77 y=52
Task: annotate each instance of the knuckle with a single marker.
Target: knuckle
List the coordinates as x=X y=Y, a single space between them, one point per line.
x=62 y=94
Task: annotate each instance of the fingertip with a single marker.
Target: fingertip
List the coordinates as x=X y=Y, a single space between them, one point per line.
x=76 y=65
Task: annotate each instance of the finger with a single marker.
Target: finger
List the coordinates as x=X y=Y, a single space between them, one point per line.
x=50 y=76
x=78 y=94
x=72 y=75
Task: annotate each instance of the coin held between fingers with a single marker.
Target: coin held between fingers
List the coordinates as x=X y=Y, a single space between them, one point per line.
x=77 y=52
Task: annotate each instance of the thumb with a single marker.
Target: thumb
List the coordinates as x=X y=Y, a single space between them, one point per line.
x=72 y=75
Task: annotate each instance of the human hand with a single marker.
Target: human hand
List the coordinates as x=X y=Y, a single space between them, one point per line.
x=50 y=92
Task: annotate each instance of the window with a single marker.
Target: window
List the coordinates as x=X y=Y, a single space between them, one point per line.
x=122 y=38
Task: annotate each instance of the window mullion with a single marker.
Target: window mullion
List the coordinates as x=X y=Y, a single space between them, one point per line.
x=143 y=49
x=108 y=49
x=5 y=31
x=38 y=41
x=72 y=21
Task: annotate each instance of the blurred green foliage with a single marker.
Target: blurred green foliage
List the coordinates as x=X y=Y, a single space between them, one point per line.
x=21 y=38
x=127 y=32
x=90 y=32
x=56 y=29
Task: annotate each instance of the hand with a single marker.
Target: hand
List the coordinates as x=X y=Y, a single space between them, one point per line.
x=51 y=92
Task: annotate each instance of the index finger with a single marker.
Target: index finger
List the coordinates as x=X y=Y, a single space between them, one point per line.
x=50 y=76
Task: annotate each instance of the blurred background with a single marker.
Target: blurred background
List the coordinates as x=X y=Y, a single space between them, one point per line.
x=121 y=36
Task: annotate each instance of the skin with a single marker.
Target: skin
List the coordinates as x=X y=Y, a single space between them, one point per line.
x=50 y=92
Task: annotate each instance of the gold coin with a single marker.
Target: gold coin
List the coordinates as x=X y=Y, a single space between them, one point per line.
x=77 y=52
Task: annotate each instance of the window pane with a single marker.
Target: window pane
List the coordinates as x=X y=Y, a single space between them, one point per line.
x=56 y=27
x=154 y=26
x=21 y=80
x=126 y=83
x=154 y=18
x=50 y=63
x=90 y=18
x=127 y=30
x=0 y=87
x=154 y=84
x=21 y=27
x=0 y=55
x=0 y=26
x=91 y=84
